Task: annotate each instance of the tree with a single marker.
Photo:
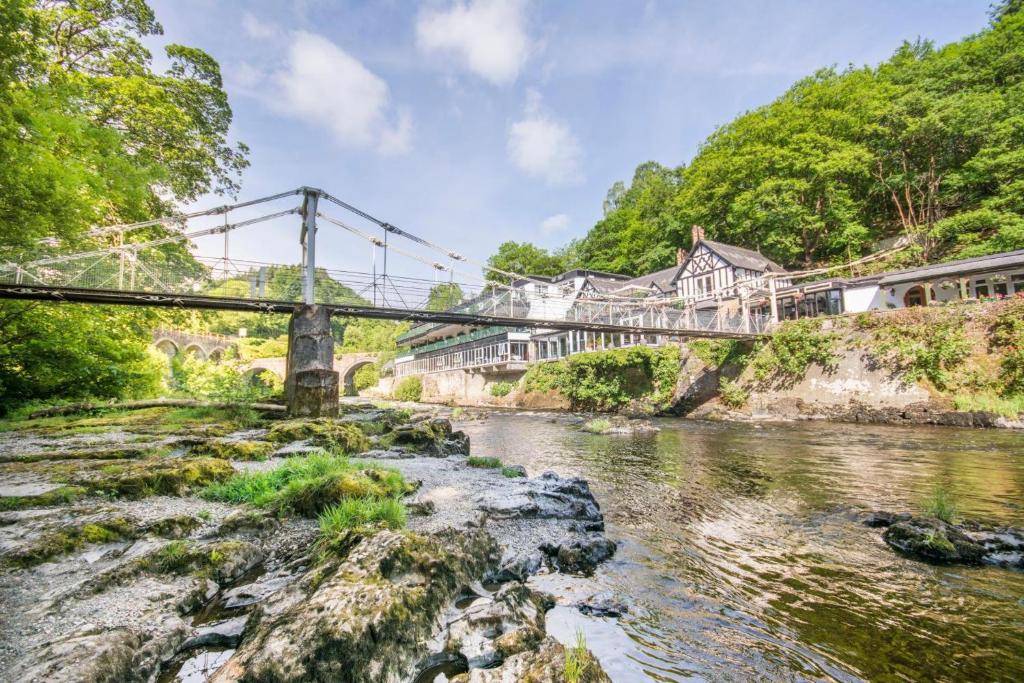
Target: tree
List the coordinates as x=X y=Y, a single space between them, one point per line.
x=523 y=258
x=444 y=296
x=91 y=135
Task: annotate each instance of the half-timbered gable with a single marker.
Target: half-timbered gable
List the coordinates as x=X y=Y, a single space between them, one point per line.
x=715 y=269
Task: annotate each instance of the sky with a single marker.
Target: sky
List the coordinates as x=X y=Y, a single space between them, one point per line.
x=473 y=122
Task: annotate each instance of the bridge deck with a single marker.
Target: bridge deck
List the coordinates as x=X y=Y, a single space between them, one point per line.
x=221 y=303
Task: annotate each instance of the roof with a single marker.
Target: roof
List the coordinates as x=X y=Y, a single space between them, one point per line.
x=1007 y=259
x=736 y=256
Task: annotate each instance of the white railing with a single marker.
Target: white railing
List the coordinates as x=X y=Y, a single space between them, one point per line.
x=476 y=357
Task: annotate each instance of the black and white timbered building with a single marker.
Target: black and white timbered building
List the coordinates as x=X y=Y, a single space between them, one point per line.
x=716 y=270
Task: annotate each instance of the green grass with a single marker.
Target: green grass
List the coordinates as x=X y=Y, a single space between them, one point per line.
x=475 y=461
x=1008 y=406
x=512 y=472
x=597 y=426
x=940 y=505
x=577 y=660
x=309 y=484
x=359 y=513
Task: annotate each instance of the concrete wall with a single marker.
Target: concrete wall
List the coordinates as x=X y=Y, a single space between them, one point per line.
x=465 y=387
x=860 y=299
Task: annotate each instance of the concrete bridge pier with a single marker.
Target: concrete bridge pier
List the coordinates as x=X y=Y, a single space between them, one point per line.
x=311 y=384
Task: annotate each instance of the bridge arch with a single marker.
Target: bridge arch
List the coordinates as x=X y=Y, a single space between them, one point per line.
x=349 y=378
x=196 y=350
x=168 y=347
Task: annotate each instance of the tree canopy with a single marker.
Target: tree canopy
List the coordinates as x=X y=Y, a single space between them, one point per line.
x=927 y=144
x=91 y=134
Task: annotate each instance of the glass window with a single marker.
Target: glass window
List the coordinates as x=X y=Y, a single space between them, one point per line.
x=1018 y=282
x=980 y=289
x=999 y=288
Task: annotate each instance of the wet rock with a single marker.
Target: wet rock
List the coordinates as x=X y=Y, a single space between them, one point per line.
x=602 y=605
x=545 y=664
x=257 y=591
x=361 y=618
x=491 y=629
x=447 y=663
x=546 y=496
x=878 y=519
x=516 y=569
x=428 y=437
x=582 y=555
x=226 y=633
x=933 y=540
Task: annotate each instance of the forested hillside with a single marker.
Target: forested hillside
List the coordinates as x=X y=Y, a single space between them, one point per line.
x=930 y=143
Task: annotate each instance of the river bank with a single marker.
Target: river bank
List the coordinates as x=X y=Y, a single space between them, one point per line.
x=195 y=544
x=960 y=365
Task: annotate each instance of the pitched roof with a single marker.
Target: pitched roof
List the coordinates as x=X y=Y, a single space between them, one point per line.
x=744 y=258
x=968 y=265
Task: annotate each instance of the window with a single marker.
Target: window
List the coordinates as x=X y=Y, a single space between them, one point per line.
x=542 y=290
x=1018 y=282
x=980 y=289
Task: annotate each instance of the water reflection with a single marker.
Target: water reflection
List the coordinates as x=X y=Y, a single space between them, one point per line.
x=743 y=560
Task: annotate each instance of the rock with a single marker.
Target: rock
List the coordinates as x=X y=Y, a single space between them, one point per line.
x=933 y=540
x=490 y=629
x=514 y=471
x=602 y=605
x=545 y=664
x=879 y=519
x=420 y=508
x=582 y=555
x=546 y=496
x=361 y=618
x=428 y=437
x=257 y=591
x=516 y=569
x=447 y=663
x=226 y=633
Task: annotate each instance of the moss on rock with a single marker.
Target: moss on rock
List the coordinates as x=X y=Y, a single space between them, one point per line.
x=168 y=477
x=338 y=437
x=233 y=450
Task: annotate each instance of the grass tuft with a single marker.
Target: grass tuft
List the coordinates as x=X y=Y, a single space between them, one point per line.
x=359 y=513
x=1011 y=407
x=475 y=461
x=512 y=472
x=598 y=425
x=941 y=506
x=577 y=660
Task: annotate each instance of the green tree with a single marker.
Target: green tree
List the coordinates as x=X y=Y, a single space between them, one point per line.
x=444 y=296
x=523 y=258
x=91 y=135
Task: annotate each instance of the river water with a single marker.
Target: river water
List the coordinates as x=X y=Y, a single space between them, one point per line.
x=741 y=557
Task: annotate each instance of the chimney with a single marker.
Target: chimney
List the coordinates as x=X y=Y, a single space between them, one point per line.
x=680 y=256
x=697 y=233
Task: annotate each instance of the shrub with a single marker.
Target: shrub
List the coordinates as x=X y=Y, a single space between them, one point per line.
x=224 y=381
x=366 y=377
x=732 y=393
x=409 y=389
x=1007 y=335
x=920 y=343
x=717 y=353
x=607 y=380
x=791 y=349
x=474 y=461
x=502 y=389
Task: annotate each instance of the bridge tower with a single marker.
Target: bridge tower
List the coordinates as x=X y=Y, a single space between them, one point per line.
x=310 y=384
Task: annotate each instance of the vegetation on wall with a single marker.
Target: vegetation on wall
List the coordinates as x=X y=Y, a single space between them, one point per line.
x=783 y=358
x=609 y=380
x=925 y=144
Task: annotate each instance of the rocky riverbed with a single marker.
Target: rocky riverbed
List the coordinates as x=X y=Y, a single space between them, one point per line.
x=198 y=544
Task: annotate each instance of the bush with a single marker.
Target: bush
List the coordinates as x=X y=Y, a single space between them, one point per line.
x=607 y=380
x=502 y=389
x=224 y=381
x=791 y=349
x=409 y=389
x=732 y=393
x=717 y=353
x=919 y=343
x=366 y=377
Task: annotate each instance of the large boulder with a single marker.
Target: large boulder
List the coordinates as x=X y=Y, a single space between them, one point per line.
x=546 y=496
x=364 y=618
x=428 y=437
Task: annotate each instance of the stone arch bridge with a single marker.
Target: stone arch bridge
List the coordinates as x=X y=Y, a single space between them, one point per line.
x=202 y=346
x=345 y=365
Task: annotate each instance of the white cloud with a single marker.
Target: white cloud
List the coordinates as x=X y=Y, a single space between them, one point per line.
x=487 y=36
x=256 y=28
x=325 y=86
x=543 y=147
x=553 y=224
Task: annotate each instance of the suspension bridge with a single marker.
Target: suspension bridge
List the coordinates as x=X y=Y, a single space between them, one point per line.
x=145 y=272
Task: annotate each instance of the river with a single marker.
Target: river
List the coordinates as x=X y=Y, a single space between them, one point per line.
x=741 y=557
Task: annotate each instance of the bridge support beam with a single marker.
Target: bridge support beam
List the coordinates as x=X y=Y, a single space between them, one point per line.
x=311 y=384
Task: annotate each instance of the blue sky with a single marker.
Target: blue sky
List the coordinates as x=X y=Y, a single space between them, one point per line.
x=472 y=122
